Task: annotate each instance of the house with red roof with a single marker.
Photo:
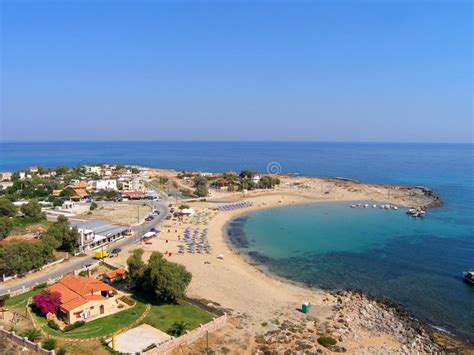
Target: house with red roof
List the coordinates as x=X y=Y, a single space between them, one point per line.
x=84 y=298
x=114 y=275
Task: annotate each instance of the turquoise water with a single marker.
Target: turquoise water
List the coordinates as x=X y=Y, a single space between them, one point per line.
x=414 y=262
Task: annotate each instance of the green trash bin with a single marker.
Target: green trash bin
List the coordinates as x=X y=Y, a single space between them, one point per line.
x=305 y=307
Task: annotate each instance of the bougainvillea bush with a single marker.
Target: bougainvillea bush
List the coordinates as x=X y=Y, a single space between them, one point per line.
x=47 y=302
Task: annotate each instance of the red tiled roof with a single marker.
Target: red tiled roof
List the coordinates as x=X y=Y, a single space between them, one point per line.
x=78 y=185
x=76 y=290
x=81 y=192
x=115 y=273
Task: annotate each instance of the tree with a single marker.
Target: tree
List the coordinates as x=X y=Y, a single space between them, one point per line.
x=62 y=236
x=6 y=227
x=93 y=206
x=47 y=302
x=200 y=183
x=67 y=192
x=136 y=267
x=32 y=209
x=7 y=208
x=177 y=328
x=61 y=170
x=165 y=280
x=19 y=257
x=135 y=171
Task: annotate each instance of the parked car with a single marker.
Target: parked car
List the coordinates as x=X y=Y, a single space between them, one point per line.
x=116 y=250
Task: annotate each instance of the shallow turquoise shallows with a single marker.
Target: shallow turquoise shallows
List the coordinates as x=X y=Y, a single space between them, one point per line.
x=415 y=262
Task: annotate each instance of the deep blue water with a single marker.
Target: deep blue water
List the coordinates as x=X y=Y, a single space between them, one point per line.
x=416 y=263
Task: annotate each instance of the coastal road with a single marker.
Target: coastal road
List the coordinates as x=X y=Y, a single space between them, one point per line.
x=79 y=262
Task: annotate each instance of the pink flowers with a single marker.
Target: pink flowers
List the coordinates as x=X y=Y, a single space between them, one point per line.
x=47 y=302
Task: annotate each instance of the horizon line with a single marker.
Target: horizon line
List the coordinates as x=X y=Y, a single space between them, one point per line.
x=227 y=141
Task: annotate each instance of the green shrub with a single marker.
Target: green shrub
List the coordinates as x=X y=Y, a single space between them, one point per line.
x=40 y=286
x=83 y=273
x=53 y=325
x=31 y=334
x=61 y=351
x=3 y=299
x=93 y=206
x=73 y=326
x=327 y=341
x=49 y=344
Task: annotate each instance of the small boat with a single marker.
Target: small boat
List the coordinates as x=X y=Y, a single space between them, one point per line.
x=352 y=206
x=411 y=211
x=469 y=276
x=366 y=205
x=394 y=207
x=374 y=206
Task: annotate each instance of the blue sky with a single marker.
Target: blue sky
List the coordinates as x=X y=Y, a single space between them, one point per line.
x=221 y=70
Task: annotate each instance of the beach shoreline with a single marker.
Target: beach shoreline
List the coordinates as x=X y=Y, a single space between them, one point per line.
x=440 y=336
x=259 y=302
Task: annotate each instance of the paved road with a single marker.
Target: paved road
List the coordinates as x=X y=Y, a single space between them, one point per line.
x=80 y=262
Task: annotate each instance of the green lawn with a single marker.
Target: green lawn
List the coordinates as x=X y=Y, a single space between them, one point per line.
x=20 y=300
x=99 y=327
x=163 y=316
x=160 y=316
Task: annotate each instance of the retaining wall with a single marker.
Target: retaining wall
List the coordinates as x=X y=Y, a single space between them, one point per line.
x=24 y=342
x=190 y=337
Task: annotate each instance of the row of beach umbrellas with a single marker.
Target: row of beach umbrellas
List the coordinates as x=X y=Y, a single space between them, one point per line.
x=234 y=206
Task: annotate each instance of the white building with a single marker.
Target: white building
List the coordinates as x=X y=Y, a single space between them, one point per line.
x=5 y=176
x=93 y=169
x=96 y=233
x=134 y=183
x=106 y=184
x=256 y=179
x=5 y=184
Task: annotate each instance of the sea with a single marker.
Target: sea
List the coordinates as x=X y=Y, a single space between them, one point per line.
x=417 y=263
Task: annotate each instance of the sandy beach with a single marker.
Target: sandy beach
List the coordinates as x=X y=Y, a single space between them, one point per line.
x=259 y=304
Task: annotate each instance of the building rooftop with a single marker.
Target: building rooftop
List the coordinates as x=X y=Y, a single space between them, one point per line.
x=76 y=290
x=99 y=227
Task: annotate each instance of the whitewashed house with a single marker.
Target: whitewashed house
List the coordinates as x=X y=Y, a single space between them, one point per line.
x=106 y=184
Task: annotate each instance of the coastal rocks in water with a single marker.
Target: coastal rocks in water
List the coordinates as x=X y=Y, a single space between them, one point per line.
x=356 y=318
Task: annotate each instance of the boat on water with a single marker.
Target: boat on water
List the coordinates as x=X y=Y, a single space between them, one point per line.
x=469 y=276
x=415 y=212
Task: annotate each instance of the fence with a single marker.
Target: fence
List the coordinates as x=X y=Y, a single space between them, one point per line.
x=24 y=342
x=189 y=337
x=7 y=278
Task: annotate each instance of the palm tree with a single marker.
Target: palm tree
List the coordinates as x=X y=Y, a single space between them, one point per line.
x=177 y=328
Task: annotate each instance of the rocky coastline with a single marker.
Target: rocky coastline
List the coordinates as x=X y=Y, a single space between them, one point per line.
x=356 y=315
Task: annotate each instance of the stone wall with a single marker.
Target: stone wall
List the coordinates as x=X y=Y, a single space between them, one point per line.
x=24 y=342
x=190 y=337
